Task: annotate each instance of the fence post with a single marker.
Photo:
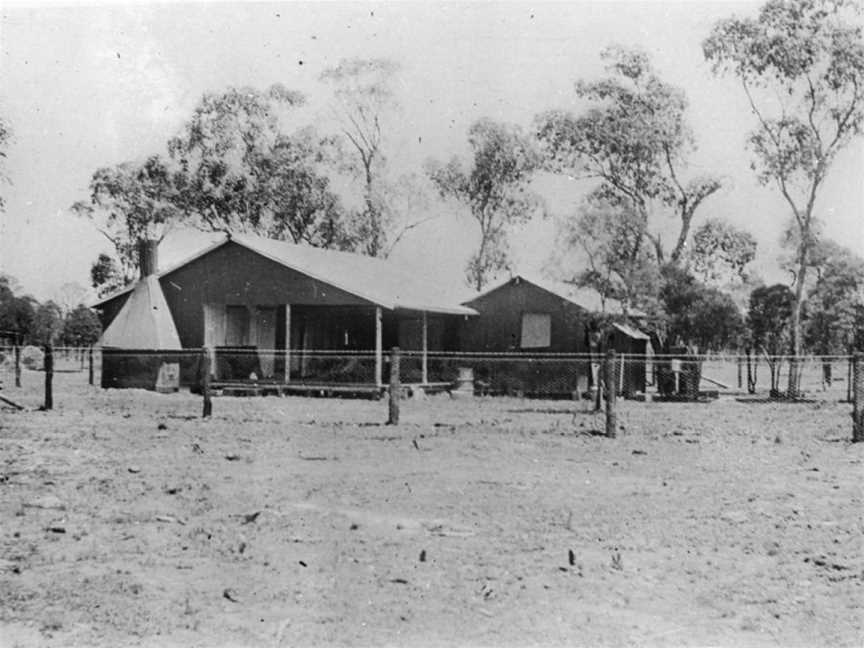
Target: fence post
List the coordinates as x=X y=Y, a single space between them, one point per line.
x=17 y=365
x=611 y=393
x=90 y=366
x=740 y=381
x=849 y=377
x=205 y=382
x=395 y=387
x=49 y=376
x=858 y=403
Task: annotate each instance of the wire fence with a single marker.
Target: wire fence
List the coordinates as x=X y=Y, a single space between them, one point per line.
x=533 y=375
x=596 y=381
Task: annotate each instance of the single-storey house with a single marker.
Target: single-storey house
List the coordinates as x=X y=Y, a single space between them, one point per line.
x=541 y=318
x=277 y=312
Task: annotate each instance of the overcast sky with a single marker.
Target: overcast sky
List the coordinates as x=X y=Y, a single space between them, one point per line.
x=85 y=87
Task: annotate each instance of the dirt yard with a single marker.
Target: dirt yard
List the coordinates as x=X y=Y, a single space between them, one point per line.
x=129 y=521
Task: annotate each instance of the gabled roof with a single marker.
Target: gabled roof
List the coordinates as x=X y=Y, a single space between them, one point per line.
x=144 y=322
x=384 y=283
x=585 y=298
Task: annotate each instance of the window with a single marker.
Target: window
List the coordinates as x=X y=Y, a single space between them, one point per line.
x=536 y=330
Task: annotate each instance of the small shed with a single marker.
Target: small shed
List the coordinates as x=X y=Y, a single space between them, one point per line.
x=539 y=318
x=632 y=347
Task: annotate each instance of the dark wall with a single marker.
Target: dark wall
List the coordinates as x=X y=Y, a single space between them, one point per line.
x=499 y=324
x=233 y=274
x=125 y=368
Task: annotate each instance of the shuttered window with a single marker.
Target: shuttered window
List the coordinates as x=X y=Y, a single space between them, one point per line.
x=536 y=330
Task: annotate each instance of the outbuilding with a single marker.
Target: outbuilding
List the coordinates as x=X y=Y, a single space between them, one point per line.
x=542 y=319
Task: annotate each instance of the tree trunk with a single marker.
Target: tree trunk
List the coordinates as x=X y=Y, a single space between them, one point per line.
x=793 y=388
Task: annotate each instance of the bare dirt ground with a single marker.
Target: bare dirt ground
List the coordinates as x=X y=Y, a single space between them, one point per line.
x=128 y=521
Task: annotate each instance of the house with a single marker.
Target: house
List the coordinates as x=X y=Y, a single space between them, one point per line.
x=279 y=313
x=542 y=318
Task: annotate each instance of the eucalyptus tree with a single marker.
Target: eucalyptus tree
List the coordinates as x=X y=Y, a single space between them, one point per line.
x=494 y=187
x=800 y=64
x=634 y=139
x=364 y=101
x=130 y=202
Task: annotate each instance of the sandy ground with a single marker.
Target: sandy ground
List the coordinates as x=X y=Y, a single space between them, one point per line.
x=128 y=521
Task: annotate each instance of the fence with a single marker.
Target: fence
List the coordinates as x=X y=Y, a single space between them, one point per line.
x=251 y=371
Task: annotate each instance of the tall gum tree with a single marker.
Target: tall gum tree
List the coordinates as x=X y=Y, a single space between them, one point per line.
x=634 y=139
x=363 y=100
x=801 y=65
x=495 y=188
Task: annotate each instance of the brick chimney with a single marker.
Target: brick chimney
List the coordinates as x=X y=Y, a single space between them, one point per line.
x=148 y=257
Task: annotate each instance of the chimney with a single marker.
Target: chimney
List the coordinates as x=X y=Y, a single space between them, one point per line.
x=148 y=257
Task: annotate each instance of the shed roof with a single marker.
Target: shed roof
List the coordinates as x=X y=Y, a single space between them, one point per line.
x=383 y=282
x=585 y=298
x=144 y=322
x=631 y=332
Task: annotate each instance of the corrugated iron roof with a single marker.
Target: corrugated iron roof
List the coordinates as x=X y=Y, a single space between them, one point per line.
x=144 y=322
x=382 y=282
x=585 y=298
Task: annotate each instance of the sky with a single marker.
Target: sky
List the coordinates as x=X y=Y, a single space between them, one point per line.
x=88 y=86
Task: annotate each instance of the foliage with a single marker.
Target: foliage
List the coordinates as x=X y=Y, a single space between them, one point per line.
x=769 y=318
x=801 y=66
x=5 y=135
x=106 y=276
x=363 y=100
x=47 y=323
x=698 y=315
x=131 y=202
x=721 y=251
x=834 y=300
x=298 y=197
x=619 y=264
x=494 y=188
x=219 y=155
x=634 y=140
x=16 y=312
x=81 y=327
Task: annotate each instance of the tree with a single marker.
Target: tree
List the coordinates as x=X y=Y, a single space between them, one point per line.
x=219 y=154
x=611 y=241
x=5 y=136
x=801 y=67
x=130 y=202
x=769 y=325
x=699 y=315
x=81 y=327
x=721 y=252
x=47 y=323
x=634 y=140
x=494 y=188
x=106 y=276
x=69 y=296
x=16 y=312
x=834 y=302
x=363 y=100
x=298 y=197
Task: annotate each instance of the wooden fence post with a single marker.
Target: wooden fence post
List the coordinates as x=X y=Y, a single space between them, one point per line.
x=17 y=365
x=611 y=394
x=740 y=378
x=858 y=402
x=849 y=379
x=49 y=376
x=395 y=387
x=90 y=365
x=205 y=383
